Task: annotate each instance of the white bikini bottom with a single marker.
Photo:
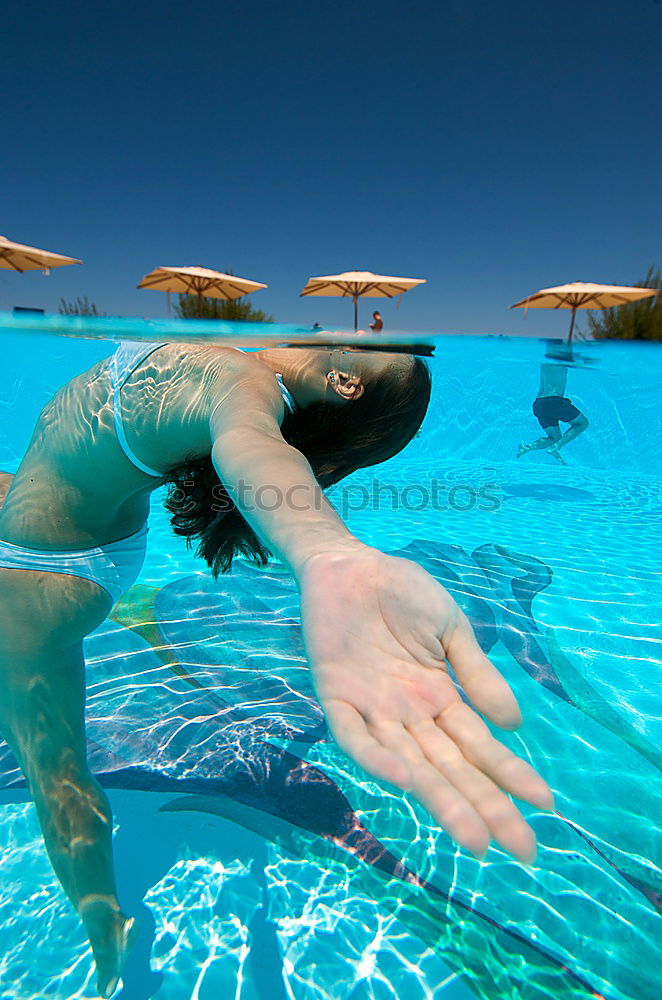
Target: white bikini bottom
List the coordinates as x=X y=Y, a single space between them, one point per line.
x=115 y=566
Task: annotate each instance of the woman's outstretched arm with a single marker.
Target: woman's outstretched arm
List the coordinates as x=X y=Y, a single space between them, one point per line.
x=380 y=635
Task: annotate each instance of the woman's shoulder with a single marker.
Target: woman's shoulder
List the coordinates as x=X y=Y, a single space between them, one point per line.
x=221 y=380
x=220 y=359
x=182 y=369
x=229 y=368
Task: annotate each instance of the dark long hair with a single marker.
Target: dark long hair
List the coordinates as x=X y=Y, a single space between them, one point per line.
x=336 y=440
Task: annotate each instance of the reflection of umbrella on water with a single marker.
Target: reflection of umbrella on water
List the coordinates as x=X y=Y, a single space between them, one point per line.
x=18 y=257
x=360 y=284
x=199 y=281
x=583 y=295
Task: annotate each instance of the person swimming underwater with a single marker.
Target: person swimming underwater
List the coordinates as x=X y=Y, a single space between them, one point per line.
x=550 y=406
x=221 y=428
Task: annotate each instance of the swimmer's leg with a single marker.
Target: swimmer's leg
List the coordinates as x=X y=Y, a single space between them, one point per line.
x=553 y=436
x=577 y=427
x=42 y=704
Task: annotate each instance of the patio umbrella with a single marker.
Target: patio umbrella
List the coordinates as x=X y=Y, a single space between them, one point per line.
x=18 y=257
x=199 y=281
x=583 y=295
x=360 y=284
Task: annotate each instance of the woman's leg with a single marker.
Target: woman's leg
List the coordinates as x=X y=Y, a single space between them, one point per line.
x=42 y=706
x=5 y=483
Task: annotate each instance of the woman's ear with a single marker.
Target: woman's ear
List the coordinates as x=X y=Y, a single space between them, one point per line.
x=344 y=385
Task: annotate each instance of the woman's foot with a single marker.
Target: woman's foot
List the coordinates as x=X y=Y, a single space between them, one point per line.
x=112 y=936
x=522 y=450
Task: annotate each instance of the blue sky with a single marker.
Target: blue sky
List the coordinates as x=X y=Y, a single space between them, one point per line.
x=491 y=148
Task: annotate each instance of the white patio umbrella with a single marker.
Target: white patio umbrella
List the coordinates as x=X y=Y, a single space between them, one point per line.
x=583 y=295
x=360 y=284
x=18 y=257
x=199 y=281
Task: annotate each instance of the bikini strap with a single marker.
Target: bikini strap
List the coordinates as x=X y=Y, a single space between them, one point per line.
x=123 y=363
x=288 y=398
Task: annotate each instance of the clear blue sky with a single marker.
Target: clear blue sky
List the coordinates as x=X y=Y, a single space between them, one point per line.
x=492 y=148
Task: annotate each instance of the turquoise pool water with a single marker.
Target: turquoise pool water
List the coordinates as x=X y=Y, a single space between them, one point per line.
x=261 y=863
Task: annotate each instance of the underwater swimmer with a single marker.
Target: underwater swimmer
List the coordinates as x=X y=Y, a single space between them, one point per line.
x=230 y=432
x=550 y=406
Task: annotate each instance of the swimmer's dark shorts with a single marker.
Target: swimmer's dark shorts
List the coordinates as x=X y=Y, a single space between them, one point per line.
x=550 y=409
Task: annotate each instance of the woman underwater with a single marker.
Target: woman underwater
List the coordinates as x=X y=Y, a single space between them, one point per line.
x=379 y=631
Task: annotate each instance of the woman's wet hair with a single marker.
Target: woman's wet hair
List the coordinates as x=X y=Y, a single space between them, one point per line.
x=336 y=440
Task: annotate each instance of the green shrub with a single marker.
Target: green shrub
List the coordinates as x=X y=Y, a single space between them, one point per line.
x=640 y=320
x=81 y=307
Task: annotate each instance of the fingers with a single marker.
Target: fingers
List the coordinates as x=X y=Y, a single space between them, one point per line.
x=501 y=817
x=447 y=803
x=480 y=748
x=351 y=734
x=394 y=756
x=479 y=678
x=454 y=767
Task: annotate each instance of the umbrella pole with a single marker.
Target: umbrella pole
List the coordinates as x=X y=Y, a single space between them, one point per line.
x=572 y=323
x=199 y=304
x=356 y=313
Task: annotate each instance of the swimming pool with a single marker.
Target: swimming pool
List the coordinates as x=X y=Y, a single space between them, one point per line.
x=260 y=862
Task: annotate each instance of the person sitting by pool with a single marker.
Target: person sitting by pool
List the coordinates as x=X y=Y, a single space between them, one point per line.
x=550 y=406
x=377 y=324
x=217 y=424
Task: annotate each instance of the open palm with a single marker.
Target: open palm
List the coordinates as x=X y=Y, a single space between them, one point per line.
x=379 y=633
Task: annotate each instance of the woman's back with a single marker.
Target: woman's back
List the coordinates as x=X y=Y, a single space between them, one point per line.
x=76 y=486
